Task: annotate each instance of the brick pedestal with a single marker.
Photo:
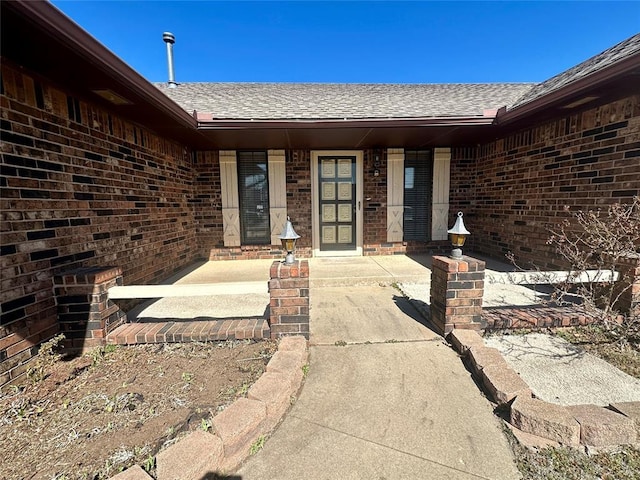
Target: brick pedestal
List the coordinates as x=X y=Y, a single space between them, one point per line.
x=457 y=287
x=85 y=313
x=629 y=284
x=289 y=304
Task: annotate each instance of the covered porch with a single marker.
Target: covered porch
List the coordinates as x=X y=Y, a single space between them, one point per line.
x=214 y=300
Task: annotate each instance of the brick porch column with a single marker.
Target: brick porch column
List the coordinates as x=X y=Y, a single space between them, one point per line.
x=289 y=299
x=85 y=313
x=457 y=287
x=629 y=284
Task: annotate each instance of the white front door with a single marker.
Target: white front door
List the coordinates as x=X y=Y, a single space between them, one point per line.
x=336 y=178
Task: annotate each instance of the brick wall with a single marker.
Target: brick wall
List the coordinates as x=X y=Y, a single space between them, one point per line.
x=521 y=183
x=207 y=202
x=298 y=167
x=80 y=187
x=463 y=182
x=375 y=203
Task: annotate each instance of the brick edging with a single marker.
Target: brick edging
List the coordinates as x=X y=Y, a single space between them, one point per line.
x=238 y=426
x=589 y=426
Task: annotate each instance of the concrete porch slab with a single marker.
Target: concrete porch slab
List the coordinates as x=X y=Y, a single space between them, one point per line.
x=374 y=270
x=229 y=271
x=364 y=314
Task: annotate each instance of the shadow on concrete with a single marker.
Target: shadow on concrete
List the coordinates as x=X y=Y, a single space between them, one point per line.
x=423 y=259
x=519 y=350
x=182 y=272
x=133 y=307
x=417 y=310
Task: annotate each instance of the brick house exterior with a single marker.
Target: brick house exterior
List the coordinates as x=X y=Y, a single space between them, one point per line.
x=105 y=169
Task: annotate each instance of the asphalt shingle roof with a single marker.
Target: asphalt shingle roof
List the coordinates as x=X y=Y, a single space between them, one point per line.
x=317 y=101
x=607 y=58
x=274 y=101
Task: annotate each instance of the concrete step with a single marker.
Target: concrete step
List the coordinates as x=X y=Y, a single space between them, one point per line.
x=187 y=290
x=176 y=331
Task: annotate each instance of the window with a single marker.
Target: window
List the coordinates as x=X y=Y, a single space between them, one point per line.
x=418 y=176
x=253 y=190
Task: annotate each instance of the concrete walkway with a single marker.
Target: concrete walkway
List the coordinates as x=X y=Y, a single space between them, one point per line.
x=394 y=402
x=562 y=373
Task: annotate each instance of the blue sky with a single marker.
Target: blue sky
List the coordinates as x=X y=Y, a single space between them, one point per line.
x=336 y=41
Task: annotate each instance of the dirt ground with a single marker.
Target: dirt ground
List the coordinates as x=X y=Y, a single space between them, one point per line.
x=624 y=356
x=95 y=415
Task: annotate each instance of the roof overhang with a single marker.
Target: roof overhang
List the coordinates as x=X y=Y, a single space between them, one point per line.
x=610 y=83
x=39 y=38
x=346 y=133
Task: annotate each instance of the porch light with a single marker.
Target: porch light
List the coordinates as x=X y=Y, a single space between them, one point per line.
x=288 y=239
x=458 y=234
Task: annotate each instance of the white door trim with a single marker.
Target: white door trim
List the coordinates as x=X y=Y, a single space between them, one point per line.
x=315 y=204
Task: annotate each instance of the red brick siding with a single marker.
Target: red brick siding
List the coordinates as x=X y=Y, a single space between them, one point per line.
x=98 y=192
x=207 y=202
x=375 y=203
x=463 y=183
x=298 y=168
x=523 y=182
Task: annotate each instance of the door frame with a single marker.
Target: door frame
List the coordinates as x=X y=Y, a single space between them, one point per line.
x=315 y=204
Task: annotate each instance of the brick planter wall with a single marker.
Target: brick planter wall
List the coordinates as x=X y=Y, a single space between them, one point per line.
x=457 y=287
x=85 y=313
x=289 y=304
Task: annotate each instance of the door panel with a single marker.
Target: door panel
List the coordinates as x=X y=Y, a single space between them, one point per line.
x=337 y=202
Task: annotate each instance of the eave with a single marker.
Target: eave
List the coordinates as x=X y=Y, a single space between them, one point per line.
x=232 y=124
x=350 y=133
x=346 y=133
x=615 y=81
x=39 y=38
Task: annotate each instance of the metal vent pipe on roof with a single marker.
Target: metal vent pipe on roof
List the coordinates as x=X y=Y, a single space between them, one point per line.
x=170 y=39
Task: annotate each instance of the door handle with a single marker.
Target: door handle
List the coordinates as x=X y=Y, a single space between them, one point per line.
x=358 y=205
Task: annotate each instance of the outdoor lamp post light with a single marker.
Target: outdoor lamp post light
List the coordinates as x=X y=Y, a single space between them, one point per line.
x=458 y=234
x=288 y=239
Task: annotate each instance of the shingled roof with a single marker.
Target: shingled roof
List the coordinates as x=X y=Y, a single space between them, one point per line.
x=361 y=101
x=603 y=60
x=311 y=101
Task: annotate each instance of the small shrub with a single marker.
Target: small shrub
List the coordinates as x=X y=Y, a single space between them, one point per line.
x=598 y=240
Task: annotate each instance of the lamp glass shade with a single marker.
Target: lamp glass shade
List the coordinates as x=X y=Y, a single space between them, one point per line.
x=457 y=239
x=288 y=244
